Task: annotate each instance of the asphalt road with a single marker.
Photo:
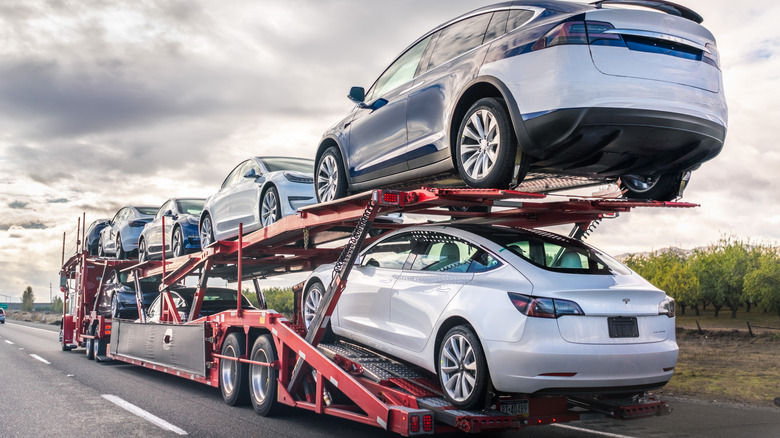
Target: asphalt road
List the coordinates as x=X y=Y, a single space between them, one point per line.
x=47 y=392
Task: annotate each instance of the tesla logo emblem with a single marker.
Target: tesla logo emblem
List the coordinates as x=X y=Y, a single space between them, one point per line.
x=626 y=301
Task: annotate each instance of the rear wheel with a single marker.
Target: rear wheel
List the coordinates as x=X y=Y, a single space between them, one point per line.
x=206 y=232
x=311 y=302
x=232 y=373
x=270 y=208
x=462 y=368
x=178 y=243
x=330 y=180
x=89 y=346
x=263 y=379
x=486 y=146
x=666 y=187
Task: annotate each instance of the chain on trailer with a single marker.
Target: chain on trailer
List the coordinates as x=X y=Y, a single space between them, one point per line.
x=340 y=379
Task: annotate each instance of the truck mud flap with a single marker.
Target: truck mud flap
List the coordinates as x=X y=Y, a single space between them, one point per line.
x=168 y=345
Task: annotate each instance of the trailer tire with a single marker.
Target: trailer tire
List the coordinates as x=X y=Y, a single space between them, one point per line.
x=263 y=379
x=233 y=375
x=90 y=349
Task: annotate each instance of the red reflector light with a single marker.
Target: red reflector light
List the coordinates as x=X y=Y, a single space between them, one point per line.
x=414 y=424
x=428 y=423
x=390 y=198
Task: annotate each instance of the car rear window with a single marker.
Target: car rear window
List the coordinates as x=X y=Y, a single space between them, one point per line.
x=553 y=252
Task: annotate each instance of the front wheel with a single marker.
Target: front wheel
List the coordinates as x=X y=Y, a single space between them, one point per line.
x=462 y=368
x=120 y=253
x=666 y=187
x=206 y=232
x=142 y=255
x=178 y=243
x=330 y=180
x=311 y=302
x=232 y=373
x=486 y=146
x=270 y=207
x=114 y=306
x=263 y=379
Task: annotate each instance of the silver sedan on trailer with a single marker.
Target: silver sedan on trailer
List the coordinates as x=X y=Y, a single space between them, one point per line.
x=521 y=311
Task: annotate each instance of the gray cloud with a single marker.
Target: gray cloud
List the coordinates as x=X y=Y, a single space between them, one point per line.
x=17 y=205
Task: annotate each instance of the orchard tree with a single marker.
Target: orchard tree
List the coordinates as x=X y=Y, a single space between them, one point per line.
x=28 y=299
x=707 y=270
x=763 y=283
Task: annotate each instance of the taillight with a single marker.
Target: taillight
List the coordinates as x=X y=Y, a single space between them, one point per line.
x=711 y=55
x=535 y=307
x=667 y=307
x=580 y=32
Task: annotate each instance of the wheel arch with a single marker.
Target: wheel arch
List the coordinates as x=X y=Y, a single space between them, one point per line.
x=486 y=86
x=447 y=325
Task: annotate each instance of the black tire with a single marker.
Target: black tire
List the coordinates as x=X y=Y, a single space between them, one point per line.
x=177 y=243
x=311 y=302
x=485 y=158
x=330 y=180
x=270 y=206
x=462 y=368
x=142 y=254
x=115 y=306
x=120 y=253
x=89 y=347
x=263 y=380
x=234 y=375
x=206 y=231
x=666 y=187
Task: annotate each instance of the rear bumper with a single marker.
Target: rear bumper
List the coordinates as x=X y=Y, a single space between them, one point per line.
x=619 y=141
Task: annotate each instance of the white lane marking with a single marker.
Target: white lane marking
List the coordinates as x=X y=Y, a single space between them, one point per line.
x=590 y=431
x=159 y=422
x=36 y=357
x=34 y=328
x=9 y=342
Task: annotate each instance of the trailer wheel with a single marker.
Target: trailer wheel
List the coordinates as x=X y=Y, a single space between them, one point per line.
x=263 y=379
x=462 y=368
x=232 y=373
x=90 y=349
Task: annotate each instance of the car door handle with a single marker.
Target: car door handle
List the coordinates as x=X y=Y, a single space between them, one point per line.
x=442 y=289
x=385 y=281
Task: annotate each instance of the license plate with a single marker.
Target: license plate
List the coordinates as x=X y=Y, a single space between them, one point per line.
x=623 y=327
x=515 y=407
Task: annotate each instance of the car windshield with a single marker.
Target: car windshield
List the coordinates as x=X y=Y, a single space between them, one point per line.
x=286 y=163
x=552 y=251
x=147 y=210
x=190 y=206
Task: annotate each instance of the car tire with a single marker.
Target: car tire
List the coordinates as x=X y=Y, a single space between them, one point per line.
x=206 y=232
x=120 y=253
x=462 y=368
x=263 y=379
x=100 y=251
x=270 y=206
x=311 y=302
x=233 y=375
x=666 y=187
x=88 y=346
x=115 y=306
x=330 y=180
x=485 y=157
x=177 y=242
x=142 y=254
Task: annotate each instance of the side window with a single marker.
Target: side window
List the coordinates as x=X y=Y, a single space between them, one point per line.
x=517 y=18
x=391 y=253
x=399 y=72
x=235 y=175
x=165 y=207
x=459 y=38
x=442 y=253
x=497 y=26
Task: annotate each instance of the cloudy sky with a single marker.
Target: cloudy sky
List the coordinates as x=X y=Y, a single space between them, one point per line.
x=104 y=104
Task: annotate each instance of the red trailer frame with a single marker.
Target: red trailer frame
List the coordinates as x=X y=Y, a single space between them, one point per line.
x=330 y=379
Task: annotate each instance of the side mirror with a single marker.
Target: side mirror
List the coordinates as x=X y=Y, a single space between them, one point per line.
x=357 y=95
x=250 y=174
x=168 y=213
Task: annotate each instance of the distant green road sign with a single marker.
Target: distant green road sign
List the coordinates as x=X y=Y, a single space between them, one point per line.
x=3 y=305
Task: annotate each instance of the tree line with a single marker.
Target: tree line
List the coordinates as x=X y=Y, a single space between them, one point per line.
x=731 y=273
